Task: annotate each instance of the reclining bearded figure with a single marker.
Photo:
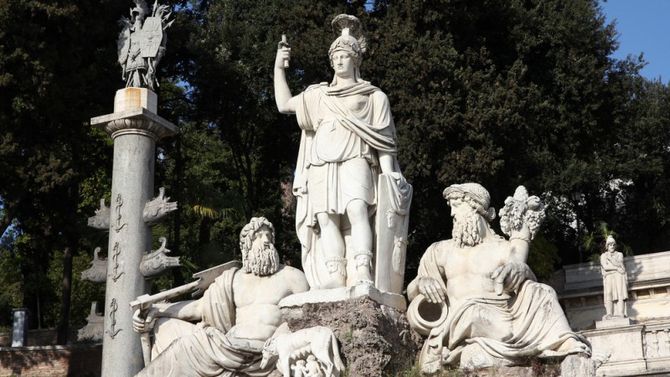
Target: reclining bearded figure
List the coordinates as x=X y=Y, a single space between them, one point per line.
x=224 y=332
x=476 y=299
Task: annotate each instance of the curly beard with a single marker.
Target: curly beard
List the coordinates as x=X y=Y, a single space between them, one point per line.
x=261 y=261
x=465 y=231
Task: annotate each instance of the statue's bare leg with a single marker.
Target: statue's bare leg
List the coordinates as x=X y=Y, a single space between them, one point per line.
x=361 y=241
x=332 y=245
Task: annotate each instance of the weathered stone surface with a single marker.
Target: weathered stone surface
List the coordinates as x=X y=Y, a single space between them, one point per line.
x=315 y=296
x=375 y=339
x=512 y=372
x=578 y=366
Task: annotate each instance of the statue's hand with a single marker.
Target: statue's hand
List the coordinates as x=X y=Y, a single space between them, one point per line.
x=430 y=288
x=508 y=277
x=144 y=323
x=283 y=55
x=398 y=177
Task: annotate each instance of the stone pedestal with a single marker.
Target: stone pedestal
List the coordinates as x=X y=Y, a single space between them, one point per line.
x=316 y=296
x=621 y=347
x=612 y=322
x=135 y=127
x=375 y=340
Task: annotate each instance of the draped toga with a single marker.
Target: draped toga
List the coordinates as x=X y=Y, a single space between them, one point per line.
x=205 y=349
x=337 y=160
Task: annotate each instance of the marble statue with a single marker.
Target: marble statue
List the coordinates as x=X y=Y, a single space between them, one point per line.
x=97 y=271
x=348 y=143
x=141 y=43
x=94 y=330
x=476 y=299
x=615 y=281
x=157 y=261
x=317 y=343
x=101 y=218
x=312 y=367
x=158 y=207
x=224 y=332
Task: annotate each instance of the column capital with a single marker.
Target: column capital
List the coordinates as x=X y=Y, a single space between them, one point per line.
x=135 y=113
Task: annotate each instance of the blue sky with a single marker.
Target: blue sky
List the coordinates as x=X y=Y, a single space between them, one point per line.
x=643 y=26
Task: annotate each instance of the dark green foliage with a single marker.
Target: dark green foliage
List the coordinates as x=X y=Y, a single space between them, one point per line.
x=498 y=92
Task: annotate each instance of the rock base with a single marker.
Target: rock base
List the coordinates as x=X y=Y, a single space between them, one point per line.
x=375 y=340
x=578 y=366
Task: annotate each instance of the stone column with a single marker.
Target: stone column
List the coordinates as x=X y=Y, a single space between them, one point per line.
x=135 y=127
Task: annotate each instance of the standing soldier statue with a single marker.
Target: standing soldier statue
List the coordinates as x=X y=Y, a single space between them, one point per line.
x=615 y=281
x=141 y=44
x=347 y=172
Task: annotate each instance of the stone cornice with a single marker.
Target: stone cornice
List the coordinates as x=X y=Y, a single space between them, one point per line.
x=135 y=121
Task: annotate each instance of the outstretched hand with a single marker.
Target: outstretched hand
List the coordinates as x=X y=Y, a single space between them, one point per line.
x=508 y=277
x=431 y=289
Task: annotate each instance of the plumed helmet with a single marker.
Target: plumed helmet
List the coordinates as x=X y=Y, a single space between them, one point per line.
x=350 y=37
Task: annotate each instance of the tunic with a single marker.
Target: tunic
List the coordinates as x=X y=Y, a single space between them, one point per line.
x=337 y=160
x=615 y=283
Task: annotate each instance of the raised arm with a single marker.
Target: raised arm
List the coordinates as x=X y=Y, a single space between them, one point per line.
x=520 y=241
x=285 y=101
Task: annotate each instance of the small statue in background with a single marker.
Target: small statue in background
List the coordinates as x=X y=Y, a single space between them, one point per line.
x=141 y=43
x=615 y=281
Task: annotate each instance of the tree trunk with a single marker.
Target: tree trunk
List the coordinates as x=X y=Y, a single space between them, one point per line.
x=64 y=322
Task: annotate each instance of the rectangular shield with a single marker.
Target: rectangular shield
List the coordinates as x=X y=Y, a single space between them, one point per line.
x=391 y=225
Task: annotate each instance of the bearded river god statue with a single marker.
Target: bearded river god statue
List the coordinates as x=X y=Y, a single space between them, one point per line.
x=236 y=327
x=349 y=188
x=476 y=299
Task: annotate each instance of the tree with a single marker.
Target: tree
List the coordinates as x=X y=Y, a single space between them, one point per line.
x=503 y=93
x=54 y=78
